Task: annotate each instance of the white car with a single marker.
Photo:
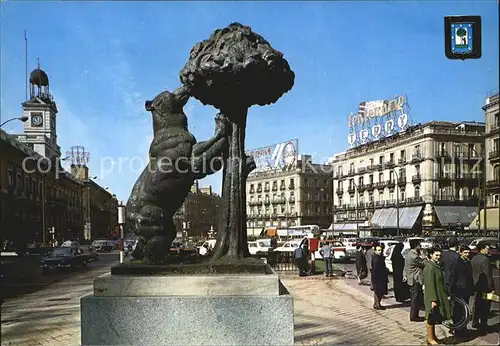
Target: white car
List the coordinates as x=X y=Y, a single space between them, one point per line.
x=474 y=243
x=259 y=246
x=388 y=254
x=387 y=244
x=288 y=246
x=406 y=243
x=339 y=252
x=350 y=246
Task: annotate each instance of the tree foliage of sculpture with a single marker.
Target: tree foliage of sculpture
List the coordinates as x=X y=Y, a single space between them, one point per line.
x=233 y=70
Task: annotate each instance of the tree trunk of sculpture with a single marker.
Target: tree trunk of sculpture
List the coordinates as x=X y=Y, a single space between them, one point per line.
x=232 y=233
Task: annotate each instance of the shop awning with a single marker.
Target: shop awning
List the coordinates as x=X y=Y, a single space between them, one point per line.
x=351 y=227
x=451 y=215
x=384 y=217
x=375 y=218
x=492 y=220
x=407 y=217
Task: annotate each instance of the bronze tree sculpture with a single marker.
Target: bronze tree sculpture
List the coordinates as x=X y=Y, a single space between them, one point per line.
x=233 y=70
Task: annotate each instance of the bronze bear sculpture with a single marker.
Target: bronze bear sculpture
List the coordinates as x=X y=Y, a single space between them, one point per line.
x=176 y=161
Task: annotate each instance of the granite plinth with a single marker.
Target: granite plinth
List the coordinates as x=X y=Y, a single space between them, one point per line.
x=250 y=265
x=179 y=309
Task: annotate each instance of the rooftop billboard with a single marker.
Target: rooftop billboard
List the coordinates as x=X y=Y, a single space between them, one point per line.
x=276 y=157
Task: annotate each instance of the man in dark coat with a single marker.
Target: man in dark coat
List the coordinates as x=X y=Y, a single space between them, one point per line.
x=462 y=286
x=380 y=278
x=450 y=259
x=300 y=260
x=483 y=283
x=369 y=254
x=361 y=266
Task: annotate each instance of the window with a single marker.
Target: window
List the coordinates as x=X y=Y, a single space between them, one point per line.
x=283 y=209
x=391 y=176
x=266 y=198
x=370 y=178
x=351 y=168
x=381 y=160
x=370 y=197
x=402 y=154
x=351 y=200
x=340 y=201
x=360 y=181
x=391 y=157
x=371 y=162
x=442 y=147
x=381 y=195
x=267 y=186
x=351 y=184
x=391 y=194
x=417 y=169
x=417 y=191
x=306 y=182
x=340 y=170
x=402 y=195
x=316 y=183
x=402 y=174
x=470 y=150
x=417 y=150
x=381 y=177
x=339 y=185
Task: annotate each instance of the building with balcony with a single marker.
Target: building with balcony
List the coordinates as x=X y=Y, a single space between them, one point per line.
x=421 y=179
x=200 y=213
x=490 y=219
x=289 y=197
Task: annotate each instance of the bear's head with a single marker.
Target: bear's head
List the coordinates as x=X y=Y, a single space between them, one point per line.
x=167 y=109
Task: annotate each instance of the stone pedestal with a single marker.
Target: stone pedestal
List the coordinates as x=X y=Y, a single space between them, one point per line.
x=187 y=306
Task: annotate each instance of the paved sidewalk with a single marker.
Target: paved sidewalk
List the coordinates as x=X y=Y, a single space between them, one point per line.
x=329 y=312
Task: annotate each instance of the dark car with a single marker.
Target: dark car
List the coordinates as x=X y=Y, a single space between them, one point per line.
x=103 y=246
x=65 y=258
x=368 y=242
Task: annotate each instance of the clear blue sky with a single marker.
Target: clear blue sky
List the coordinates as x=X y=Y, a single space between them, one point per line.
x=104 y=59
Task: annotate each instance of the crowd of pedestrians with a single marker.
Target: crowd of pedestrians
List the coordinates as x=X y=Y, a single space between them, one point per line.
x=440 y=281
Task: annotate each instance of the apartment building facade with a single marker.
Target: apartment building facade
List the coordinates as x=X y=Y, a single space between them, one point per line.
x=421 y=179
x=489 y=218
x=200 y=213
x=290 y=197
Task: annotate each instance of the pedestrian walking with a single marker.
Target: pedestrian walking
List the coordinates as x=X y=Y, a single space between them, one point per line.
x=401 y=288
x=380 y=278
x=369 y=255
x=449 y=259
x=327 y=252
x=414 y=267
x=300 y=259
x=361 y=265
x=483 y=284
x=437 y=305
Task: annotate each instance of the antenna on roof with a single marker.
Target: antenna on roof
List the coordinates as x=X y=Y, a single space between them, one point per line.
x=26 y=62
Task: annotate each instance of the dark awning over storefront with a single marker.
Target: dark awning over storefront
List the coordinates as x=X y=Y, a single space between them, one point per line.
x=451 y=215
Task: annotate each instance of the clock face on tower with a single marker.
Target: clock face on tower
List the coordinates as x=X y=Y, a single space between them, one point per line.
x=36 y=120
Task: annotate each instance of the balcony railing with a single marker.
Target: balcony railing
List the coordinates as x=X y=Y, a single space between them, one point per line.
x=416 y=157
x=402 y=180
x=361 y=169
x=369 y=186
x=339 y=191
x=391 y=183
x=402 y=160
x=414 y=200
x=493 y=184
x=282 y=187
x=494 y=155
x=380 y=184
x=390 y=164
x=275 y=188
x=267 y=189
x=279 y=200
x=259 y=189
x=416 y=178
x=351 y=189
x=291 y=186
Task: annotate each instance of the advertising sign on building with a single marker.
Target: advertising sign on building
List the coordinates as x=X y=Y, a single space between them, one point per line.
x=377 y=119
x=276 y=157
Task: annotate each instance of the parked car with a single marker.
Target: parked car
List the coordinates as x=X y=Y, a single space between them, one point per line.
x=339 y=251
x=350 y=245
x=103 y=245
x=388 y=255
x=260 y=246
x=488 y=240
x=68 y=258
x=288 y=246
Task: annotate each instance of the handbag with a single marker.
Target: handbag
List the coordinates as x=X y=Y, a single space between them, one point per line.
x=435 y=316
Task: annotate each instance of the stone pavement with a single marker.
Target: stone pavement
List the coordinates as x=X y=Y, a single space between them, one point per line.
x=332 y=312
x=326 y=312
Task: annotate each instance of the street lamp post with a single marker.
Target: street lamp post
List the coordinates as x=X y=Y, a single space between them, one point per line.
x=356 y=206
x=121 y=222
x=21 y=118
